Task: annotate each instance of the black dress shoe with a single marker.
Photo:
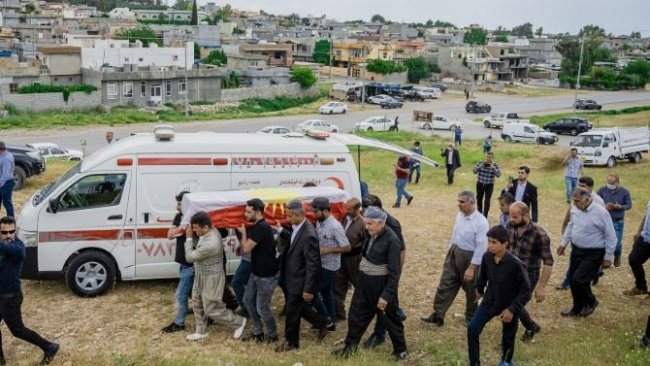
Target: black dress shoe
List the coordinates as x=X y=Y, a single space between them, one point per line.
x=408 y=200
x=285 y=347
x=401 y=355
x=50 y=353
x=257 y=338
x=569 y=313
x=434 y=319
x=529 y=334
x=373 y=342
x=322 y=333
x=588 y=310
x=173 y=327
x=346 y=351
x=2 y=361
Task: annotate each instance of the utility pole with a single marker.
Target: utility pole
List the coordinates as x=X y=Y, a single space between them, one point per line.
x=331 y=51
x=582 y=49
x=187 y=89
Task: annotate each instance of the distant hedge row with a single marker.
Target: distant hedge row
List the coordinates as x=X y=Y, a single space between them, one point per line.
x=49 y=88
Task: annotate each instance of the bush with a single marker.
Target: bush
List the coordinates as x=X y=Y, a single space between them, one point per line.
x=49 y=88
x=274 y=105
x=384 y=67
x=303 y=76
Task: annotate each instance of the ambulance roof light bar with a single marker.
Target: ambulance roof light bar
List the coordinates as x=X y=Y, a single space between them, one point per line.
x=164 y=132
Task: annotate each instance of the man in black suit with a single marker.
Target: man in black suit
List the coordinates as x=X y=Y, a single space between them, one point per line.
x=452 y=161
x=301 y=267
x=524 y=191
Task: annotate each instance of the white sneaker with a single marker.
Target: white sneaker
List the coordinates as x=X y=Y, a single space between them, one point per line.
x=196 y=336
x=239 y=331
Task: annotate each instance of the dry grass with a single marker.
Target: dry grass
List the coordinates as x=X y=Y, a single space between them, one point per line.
x=534 y=92
x=123 y=327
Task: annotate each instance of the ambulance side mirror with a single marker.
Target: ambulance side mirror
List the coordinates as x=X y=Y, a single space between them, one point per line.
x=53 y=205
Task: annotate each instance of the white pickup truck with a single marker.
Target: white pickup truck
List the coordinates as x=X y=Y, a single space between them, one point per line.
x=499 y=119
x=607 y=146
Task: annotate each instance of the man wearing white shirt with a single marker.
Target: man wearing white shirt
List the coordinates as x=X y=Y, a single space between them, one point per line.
x=593 y=240
x=468 y=244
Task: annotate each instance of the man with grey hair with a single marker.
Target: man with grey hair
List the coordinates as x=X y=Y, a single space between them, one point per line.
x=467 y=246
x=377 y=283
x=593 y=241
x=301 y=265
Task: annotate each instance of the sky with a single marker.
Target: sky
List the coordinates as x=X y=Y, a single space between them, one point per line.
x=555 y=16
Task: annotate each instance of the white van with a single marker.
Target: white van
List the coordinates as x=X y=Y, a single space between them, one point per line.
x=107 y=217
x=429 y=93
x=527 y=132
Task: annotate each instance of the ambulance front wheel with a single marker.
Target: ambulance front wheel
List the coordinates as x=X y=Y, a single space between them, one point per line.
x=90 y=273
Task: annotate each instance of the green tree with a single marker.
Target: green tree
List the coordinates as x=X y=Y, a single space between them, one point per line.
x=195 y=14
x=292 y=20
x=142 y=33
x=592 y=31
x=569 y=48
x=182 y=4
x=539 y=32
x=442 y=24
x=635 y=35
x=384 y=67
x=232 y=81
x=418 y=69
x=216 y=57
x=223 y=14
x=429 y=23
x=303 y=76
x=197 y=51
x=322 y=52
x=638 y=67
x=523 y=30
x=378 y=19
x=475 y=36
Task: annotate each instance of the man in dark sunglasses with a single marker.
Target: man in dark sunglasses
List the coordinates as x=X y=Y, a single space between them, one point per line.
x=12 y=255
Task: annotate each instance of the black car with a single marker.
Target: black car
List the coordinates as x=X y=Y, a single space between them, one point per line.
x=28 y=163
x=477 y=107
x=442 y=86
x=570 y=125
x=391 y=103
x=414 y=96
x=587 y=104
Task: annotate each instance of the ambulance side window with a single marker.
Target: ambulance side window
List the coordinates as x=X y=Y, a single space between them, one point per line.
x=93 y=191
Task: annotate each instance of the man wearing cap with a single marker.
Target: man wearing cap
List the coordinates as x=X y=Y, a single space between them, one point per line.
x=378 y=280
x=468 y=244
x=7 y=182
x=332 y=242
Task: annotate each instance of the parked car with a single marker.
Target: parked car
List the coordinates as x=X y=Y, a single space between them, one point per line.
x=587 y=104
x=527 y=132
x=275 y=130
x=573 y=126
x=28 y=163
x=377 y=123
x=500 y=119
x=377 y=99
x=333 y=107
x=316 y=124
x=391 y=103
x=440 y=123
x=442 y=86
x=51 y=150
x=477 y=107
x=414 y=96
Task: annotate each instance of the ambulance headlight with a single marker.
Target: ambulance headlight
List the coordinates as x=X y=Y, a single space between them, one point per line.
x=29 y=238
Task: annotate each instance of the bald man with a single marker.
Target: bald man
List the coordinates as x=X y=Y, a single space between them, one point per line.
x=356 y=232
x=532 y=245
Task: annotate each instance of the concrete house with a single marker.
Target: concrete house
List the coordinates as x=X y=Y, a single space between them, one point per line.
x=279 y=55
x=62 y=63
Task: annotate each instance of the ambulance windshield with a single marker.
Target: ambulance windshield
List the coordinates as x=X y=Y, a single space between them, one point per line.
x=39 y=196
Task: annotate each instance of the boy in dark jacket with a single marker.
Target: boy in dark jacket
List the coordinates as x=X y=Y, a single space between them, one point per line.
x=503 y=284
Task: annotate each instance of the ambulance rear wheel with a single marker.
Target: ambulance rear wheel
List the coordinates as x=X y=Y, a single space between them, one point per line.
x=91 y=273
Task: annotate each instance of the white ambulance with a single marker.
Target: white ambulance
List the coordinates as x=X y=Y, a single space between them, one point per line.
x=106 y=219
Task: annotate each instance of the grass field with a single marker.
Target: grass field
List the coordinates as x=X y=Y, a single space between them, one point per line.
x=123 y=327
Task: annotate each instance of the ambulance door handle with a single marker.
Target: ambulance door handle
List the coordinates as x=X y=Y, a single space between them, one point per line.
x=115 y=217
x=146 y=217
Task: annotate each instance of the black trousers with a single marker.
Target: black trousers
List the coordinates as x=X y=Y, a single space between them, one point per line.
x=364 y=307
x=11 y=314
x=524 y=316
x=450 y=174
x=583 y=264
x=483 y=197
x=346 y=276
x=638 y=256
x=297 y=308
